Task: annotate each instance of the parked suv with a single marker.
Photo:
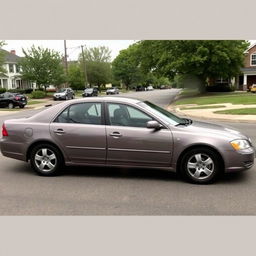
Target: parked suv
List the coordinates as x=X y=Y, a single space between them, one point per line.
x=113 y=90
x=64 y=94
x=12 y=100
x=89 y=92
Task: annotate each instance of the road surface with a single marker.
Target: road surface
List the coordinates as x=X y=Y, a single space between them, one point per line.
x=114 y=191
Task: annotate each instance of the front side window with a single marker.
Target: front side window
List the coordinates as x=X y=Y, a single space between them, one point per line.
x=253 y=59
x=124 y=115
x=82 y=113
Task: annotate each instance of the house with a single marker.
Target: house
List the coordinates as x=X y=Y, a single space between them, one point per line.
x=11 y=78
x=248 y=72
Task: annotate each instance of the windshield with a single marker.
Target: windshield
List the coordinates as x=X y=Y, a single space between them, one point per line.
x=61 y=90
x=162 y=113
x=88 y=90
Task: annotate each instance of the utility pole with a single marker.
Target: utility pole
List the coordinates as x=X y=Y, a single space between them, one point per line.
x=66 y=61
x=84 y=64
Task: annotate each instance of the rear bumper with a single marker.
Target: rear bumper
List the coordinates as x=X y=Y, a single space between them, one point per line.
x=241 y=161
x=12 y=150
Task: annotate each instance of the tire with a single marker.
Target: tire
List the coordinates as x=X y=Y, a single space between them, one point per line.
x=51 y=165
x=10 y=105
x=22 y=106
x=200 y=166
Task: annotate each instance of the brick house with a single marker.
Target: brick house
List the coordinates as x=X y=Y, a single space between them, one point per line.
x=248 y=72
x=11 y=78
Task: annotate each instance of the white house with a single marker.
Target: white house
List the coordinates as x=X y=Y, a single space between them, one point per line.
x=11 y=78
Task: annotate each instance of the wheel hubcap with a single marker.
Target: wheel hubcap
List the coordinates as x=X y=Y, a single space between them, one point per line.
x=200 y=166
x=45 y=160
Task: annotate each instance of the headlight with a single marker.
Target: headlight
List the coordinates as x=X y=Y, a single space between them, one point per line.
x=240 y=144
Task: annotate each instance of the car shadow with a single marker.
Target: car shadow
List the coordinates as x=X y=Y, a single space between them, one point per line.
x=123 y=173
x=134 y=173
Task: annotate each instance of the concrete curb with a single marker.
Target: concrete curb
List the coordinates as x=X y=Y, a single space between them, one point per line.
x=220 y=118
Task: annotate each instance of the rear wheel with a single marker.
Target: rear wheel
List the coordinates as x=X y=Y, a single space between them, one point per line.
x=46 y=160
x=200 y=165
x=10 y=105
x=22 y=106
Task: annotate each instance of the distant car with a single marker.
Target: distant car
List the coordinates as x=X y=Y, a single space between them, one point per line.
x=113 y=90
x=253 y=88
x=12 y=100
x=89 y=92
x=162 y=86
x=150 y=88
x=140 y=88
x=64 y=94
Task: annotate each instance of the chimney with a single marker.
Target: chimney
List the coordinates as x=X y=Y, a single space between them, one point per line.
x=13 y=52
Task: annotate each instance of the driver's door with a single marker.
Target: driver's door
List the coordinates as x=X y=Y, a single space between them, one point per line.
x=130 y=142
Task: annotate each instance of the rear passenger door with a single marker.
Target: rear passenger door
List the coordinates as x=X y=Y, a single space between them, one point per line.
x=80 y=131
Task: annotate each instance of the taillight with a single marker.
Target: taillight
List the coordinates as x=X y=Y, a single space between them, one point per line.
x=17 y=98
x=4 y=131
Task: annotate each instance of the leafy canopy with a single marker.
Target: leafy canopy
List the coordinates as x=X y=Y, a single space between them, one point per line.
x=2 y=70
x=76 y=77
x=43 y=66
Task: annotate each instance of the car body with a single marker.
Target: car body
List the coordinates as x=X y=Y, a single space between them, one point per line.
x=117 y=131
x=12 y=100
x=140 y=88
x=253 y=88
x=89 y=92
x=64 y=94
x=111 y=91
x=162 y=87
x=150 y=88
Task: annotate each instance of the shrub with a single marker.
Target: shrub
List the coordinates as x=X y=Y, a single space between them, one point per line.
x=220 y=88
x=2 y=90
x=38 y=95
x=27 y=91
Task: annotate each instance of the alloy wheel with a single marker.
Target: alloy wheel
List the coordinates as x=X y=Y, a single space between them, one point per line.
x=45 y=160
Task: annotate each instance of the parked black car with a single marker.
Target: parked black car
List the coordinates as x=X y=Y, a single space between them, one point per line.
x=140 y=88
x=89 y=92
x=12 y=100
x=112 y=90
x=64 y=94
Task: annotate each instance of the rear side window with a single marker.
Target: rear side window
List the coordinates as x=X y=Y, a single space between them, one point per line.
x=82 y=113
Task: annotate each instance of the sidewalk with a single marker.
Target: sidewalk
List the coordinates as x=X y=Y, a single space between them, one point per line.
x=4 y=111
x=209 y=112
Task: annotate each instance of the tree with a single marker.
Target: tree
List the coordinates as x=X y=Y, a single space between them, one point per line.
x=202 y=59
x=42 y=66
x=126 y=67
x=75 y=77
x=2 y=70
x=98 y=66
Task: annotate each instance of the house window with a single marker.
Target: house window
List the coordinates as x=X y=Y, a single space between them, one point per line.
x=253 y=59
x=11 y=68
x=17 y=68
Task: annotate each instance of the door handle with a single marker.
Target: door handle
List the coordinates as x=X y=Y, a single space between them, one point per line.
x=116 y=134
x=59 y=131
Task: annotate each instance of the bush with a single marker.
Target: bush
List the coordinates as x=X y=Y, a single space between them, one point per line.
x=28 y=91
x=2 y=90
x=38 y=95
x=220 y=88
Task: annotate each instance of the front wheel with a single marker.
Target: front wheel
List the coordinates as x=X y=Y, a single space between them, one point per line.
x=22 y=106
x=46 y=160
x=200 y=165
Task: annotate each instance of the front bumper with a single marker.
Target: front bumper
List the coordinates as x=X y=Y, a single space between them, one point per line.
x=240 y=161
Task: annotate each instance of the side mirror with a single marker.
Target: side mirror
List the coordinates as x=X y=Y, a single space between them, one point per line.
x=154 y=125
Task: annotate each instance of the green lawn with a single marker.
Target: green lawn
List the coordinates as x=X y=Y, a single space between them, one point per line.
x=215 y=98
x=32 y=102
x=240 y=111
x=204 y=107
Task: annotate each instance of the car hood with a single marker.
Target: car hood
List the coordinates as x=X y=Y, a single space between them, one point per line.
x=215 y=129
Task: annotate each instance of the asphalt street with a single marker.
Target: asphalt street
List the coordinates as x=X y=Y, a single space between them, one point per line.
x=114 y=191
